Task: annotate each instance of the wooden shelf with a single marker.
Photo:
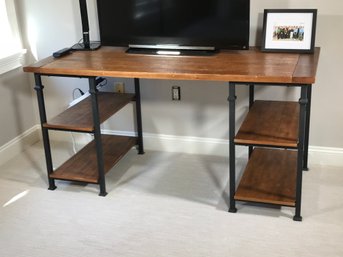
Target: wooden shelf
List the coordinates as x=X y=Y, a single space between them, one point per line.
x=270 y=177
x=270 y=123
x=80 y=118
x=83 y=165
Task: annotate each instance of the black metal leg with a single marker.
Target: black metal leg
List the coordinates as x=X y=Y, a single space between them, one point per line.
x=97 y=135
x=302 y=127
x=307 y=126
x=46 y=141
x=139 y=117
x=251 y=95
x=251 y=102
x=232 y=157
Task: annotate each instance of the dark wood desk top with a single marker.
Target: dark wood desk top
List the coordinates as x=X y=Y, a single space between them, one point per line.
x=235 y=66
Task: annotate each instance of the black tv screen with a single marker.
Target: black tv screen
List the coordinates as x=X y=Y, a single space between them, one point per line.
x=195 y=24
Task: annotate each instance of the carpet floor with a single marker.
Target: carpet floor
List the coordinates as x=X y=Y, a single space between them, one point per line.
x=160 y=204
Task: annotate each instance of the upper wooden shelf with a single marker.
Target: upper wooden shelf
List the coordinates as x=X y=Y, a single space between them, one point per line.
x=270 y=123
x=234 y=66
x=79 y=117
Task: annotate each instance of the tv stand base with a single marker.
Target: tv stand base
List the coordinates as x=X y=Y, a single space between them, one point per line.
x=171 y=52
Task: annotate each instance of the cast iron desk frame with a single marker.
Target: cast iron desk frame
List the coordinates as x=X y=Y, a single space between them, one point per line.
x=302 y=144
x=96 y=123
x=254 y=68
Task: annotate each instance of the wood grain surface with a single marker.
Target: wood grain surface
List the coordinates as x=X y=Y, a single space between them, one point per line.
x=80 y=117
x=83 y=165
x=270 y=123
x=270 y=177
x=235 y=66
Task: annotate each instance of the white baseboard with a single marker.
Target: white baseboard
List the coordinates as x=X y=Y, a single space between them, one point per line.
x=19 y=144
x=325 y=156
x=219 y=147
x=168 y=143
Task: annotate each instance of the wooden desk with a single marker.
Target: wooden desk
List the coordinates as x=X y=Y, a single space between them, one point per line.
x=250 y=67
x=238 y=66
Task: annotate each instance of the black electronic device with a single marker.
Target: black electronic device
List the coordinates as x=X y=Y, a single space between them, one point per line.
x=86 y=44
x=175 y=24
x=62 y=52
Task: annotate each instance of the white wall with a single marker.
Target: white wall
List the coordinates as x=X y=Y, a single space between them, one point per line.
x=17 y=108
x=203 y=112
x=16 y=112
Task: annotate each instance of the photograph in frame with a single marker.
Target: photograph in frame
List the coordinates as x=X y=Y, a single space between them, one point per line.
x=289 y=30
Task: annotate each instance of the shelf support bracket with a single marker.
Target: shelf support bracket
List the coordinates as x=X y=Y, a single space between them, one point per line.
x=45 y=134
x=232 y=155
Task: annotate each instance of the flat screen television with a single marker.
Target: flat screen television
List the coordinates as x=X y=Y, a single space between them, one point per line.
x=175 y=24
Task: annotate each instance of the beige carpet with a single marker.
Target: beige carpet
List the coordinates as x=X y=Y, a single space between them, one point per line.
x=158 y=205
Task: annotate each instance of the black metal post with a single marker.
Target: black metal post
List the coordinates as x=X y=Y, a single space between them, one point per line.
x=97 y=135
x=251 y=102
x=251 y=95
x=139 y=117
x=303 y=101
x=307 y=127
x=46 y=141
x=232 y=155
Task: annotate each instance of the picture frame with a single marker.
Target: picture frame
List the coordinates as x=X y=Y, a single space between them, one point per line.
x=289 y=30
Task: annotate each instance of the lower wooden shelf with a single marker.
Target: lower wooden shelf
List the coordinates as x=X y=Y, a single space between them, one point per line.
x=83 y=165
x=270 y=177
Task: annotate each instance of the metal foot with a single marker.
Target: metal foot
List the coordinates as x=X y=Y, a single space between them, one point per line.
x=233 y=210
x=297 y=218
x=306 y=169
x=103 y=194
x=52 y=187
x=140 y=150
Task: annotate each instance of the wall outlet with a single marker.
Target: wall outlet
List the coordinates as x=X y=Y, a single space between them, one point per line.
x=176 y=93
x=119 y=87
